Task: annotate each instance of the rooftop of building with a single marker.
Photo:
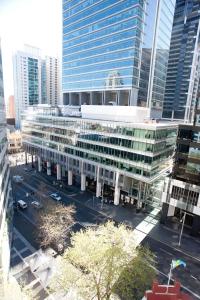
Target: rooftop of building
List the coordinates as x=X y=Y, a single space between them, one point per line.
x=131 y=116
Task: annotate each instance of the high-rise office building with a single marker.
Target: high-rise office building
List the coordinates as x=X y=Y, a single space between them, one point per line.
x=52 y=80
x=35 y=80
x=184 y=63
x=113 y=149
x=104 y=43
x=5 y=193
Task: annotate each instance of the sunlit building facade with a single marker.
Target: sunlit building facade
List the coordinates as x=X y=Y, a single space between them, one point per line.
x=36 y=80
x=104 y=43
x=127 y=157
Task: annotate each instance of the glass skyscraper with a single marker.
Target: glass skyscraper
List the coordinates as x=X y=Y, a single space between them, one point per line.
x=104 y=43
x=155 y=53
x=183 y=67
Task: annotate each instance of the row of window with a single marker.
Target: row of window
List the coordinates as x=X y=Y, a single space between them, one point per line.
x=72 y=125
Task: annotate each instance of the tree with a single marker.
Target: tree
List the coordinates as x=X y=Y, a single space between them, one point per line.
x=137 y=277
x=54 y=222
x=94 y=262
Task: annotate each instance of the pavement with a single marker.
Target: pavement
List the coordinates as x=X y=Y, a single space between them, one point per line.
x=21 y=269
x=162 y=240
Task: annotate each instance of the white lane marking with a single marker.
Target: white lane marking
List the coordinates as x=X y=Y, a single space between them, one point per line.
x=26 y=217
x=193 y=277
x=165 y=251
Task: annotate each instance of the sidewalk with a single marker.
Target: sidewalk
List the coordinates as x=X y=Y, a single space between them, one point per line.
x=146 y=224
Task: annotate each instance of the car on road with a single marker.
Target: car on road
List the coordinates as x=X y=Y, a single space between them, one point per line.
x=22 y=204
x=18 y=178
x=36 y=204
x=27 y=170
x=56 y=196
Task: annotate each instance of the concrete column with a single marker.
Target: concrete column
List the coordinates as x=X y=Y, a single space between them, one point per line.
x=117 y=195
x=171 y=211
x=58 y=171
x=69 y=177
x=48 y=168
x=98 y=189
x=26 y=158
x=117 y=190
x=83 y=182
x=39 y=164
x=98 y=184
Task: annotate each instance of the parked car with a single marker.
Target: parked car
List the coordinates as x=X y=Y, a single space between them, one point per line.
x=36 y=204
x=56 y=196
x=22 y=204
x=18 y=178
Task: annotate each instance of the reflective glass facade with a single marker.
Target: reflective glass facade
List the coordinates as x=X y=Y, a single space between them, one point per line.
x=116 y=46
x=187 y=163
x=33 y=82
x=136 y=149
x=101 y=41
x=155 y=52
x=182 y=74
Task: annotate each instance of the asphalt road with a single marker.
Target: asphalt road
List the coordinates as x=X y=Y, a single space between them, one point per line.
x=25 y=222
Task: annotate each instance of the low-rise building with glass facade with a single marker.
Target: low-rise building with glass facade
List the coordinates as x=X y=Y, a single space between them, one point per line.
x=128 y=157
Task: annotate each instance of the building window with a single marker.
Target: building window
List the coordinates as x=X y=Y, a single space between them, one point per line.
x=184 y=195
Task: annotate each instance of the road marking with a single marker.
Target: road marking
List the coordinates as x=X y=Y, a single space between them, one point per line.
x=26 y=217
x=165 y=251
x=193 y=277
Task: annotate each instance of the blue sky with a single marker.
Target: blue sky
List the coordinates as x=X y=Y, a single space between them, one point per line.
x=34 y=22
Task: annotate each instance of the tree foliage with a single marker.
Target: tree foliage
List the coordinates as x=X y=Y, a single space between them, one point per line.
x=54 y=222
x=137 y=277
x=93 y=265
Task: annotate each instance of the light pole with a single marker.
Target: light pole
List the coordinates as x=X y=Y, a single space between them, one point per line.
x=183 y=223
x=183 y=220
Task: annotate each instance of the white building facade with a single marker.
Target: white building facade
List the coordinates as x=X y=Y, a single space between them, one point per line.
x=35 y=80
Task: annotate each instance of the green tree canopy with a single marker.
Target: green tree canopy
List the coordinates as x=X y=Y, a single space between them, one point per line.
x=94 y=262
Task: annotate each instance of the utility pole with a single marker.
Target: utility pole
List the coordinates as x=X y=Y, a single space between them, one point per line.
x=183 y=220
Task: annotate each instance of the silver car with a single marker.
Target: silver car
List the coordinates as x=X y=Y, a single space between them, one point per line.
x=36 y=204
x=56 y=196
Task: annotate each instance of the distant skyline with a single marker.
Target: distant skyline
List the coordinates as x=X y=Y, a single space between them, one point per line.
x=34 y=22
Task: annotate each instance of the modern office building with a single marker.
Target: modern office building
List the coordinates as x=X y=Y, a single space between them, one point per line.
x=182 y=190
x=52 y=81
x=184 y=62
x=35 y=80
x=104 y=43
x=5 y=193
x=112 y=153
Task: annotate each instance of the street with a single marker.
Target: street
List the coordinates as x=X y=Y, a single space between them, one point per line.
x=41 y=184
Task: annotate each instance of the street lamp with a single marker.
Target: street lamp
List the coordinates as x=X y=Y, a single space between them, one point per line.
x=183 y=220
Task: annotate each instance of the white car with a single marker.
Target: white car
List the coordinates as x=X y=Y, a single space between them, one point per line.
x=18 y=178
x=22 y=204
x=55 y=196
x=36 y=204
